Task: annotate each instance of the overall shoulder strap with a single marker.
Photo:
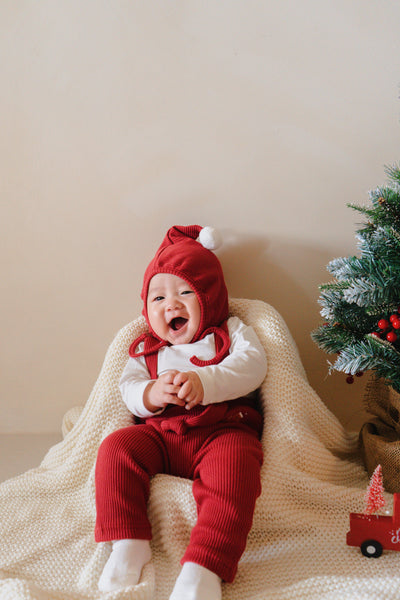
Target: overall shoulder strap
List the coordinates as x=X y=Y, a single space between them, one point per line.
x=150 y=351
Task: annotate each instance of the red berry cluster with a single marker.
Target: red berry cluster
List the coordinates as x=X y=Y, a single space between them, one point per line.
x=350 y=378
x=388 y=328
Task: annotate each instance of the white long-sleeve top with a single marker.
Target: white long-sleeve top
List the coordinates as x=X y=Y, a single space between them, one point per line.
x=240 y=373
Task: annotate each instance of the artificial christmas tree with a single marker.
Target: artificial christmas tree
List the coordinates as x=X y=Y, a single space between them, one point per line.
x=361 y=311
x=374 y=498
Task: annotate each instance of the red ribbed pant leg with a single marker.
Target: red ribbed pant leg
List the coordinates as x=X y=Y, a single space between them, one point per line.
x=125 y=462
x=226 y=486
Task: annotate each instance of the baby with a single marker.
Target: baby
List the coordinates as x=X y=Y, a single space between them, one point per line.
x=189 y=383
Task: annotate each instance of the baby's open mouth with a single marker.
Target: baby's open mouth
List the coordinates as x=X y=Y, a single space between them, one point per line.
x=177 y=323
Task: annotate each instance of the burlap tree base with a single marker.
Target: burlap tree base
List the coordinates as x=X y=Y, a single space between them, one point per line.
x=380 y=437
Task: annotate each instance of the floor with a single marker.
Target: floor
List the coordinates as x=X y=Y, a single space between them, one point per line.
x=20 y=452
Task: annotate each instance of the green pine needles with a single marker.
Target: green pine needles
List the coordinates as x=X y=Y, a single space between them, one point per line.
x=361 y=306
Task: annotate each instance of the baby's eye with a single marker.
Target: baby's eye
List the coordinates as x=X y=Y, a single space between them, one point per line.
x=187 y=292
x=158 y=298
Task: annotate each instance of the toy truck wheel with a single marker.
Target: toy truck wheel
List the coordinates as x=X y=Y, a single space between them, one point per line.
x=371 y=548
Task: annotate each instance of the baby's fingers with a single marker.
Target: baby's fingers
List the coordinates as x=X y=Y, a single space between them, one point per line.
x=176 y=401
x=184 y=390
x=171 y=389
x=169 y=376
x=180 y=378
x=192 y=403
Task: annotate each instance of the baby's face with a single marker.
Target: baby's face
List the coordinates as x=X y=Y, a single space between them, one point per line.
x=173 y=309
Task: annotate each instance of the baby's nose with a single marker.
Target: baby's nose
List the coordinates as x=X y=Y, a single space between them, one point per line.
x=174 y=302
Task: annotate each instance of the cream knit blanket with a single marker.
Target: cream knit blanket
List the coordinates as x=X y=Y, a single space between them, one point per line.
x=297 y=548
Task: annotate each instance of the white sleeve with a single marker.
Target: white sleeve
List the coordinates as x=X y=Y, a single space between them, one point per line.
x=241 y=372
x=134 y=381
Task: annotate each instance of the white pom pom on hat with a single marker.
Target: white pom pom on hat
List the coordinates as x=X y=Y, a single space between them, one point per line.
x=210 y=238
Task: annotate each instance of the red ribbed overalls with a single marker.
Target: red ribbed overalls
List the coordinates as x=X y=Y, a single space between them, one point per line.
x=217 y=447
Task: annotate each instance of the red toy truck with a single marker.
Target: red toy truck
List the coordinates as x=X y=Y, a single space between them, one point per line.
x=375 y=533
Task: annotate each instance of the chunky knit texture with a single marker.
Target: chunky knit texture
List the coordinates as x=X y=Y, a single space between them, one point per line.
x=312 y=478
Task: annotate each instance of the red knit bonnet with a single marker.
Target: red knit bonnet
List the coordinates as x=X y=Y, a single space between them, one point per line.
x=181 y=254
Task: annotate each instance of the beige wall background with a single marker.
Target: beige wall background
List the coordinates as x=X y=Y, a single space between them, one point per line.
x=120 y=119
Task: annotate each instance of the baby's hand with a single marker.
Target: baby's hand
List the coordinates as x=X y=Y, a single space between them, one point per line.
x=191 y=388
x=162 y=391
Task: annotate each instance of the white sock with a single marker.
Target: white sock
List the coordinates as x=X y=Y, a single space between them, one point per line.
x=125 y=564
x=196 y=583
